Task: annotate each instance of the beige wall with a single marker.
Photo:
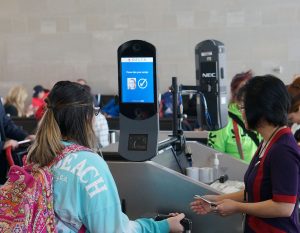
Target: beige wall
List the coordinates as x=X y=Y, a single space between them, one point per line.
x=43 y=41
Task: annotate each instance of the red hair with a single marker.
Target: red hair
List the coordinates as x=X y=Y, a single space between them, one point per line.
x=236 y=83
x=294 y=91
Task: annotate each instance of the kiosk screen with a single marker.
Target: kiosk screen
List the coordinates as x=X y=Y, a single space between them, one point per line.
x=137 y=80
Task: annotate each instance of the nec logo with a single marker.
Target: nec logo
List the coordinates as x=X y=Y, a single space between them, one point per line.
x=208 y=75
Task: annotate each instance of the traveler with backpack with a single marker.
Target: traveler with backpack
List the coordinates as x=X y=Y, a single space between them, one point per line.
x=84 y=192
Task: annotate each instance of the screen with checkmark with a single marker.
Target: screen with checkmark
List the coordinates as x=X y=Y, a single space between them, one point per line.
x=137 y=80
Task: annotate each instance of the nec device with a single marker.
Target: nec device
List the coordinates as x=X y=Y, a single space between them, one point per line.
x=138 y=100
x=210 y=76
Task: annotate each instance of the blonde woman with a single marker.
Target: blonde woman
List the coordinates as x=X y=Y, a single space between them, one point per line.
x=15 y=101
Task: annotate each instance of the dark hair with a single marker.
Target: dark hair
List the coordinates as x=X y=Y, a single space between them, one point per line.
x=36 y=90
x=266 y=98
x=87 y=87
x=68 y=116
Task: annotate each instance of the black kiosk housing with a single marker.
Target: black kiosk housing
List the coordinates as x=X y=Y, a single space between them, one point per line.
x=210 y=77
x=139 y=123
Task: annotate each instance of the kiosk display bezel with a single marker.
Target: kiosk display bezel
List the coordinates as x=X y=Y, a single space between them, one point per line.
x=135 y=109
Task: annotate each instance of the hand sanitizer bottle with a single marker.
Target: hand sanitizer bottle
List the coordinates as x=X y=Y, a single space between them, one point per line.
x=216 y=164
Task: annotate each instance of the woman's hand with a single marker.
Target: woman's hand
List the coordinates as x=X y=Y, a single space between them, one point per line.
x=174 y=222
x=227 y=207
x=201 y=207
x=13 y=143
x=31 y=137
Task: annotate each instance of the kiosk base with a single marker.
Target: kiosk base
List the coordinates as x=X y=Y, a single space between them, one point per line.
x=157 y=186
x=147 y=187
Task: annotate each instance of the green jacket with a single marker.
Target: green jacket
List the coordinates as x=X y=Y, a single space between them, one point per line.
x=224 y=140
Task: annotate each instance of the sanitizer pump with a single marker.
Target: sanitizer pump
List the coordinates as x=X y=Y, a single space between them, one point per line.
x=216 y=164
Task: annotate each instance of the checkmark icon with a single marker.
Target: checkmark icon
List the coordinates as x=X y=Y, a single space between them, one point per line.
x=142 y=83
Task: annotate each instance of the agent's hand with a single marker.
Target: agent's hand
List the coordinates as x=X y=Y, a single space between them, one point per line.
x=227 y=207
x=13 y=143
x=31 y=137
x=201 y=207
x=174 y=223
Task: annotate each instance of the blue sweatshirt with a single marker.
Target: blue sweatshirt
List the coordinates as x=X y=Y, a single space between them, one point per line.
x=85 y=193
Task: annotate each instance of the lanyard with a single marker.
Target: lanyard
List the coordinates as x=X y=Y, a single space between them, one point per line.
x=238 y=139
x=261 y=153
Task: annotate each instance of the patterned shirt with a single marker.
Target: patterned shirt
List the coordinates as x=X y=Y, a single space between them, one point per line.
x=101 y=130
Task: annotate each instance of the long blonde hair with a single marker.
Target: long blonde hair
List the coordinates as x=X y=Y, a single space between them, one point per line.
x=17 y=96
x=69 y=116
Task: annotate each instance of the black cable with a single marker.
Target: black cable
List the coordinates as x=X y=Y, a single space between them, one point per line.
x=175 y=156
x=222 y=179
x=206 y=113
